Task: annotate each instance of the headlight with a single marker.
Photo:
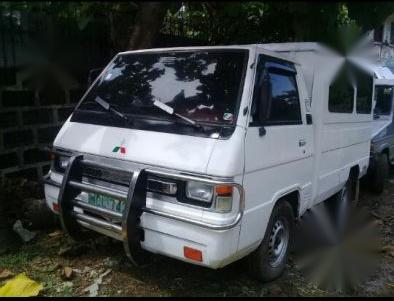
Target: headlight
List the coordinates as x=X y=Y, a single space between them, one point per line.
x=222 y=195
x=199 y=191
x=217 y=198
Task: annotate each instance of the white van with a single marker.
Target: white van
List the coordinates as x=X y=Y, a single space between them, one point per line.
x=209 y=154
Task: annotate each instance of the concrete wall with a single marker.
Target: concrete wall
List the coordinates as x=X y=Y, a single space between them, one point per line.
x=378 y=52
x=29 y=122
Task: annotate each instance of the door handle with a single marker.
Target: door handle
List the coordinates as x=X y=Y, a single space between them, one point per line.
x=301 y=142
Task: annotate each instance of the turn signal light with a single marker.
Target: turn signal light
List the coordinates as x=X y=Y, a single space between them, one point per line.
x=224 y=190
x=192 y=254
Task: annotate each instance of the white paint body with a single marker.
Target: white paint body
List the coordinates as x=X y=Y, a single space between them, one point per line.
x=267 y=167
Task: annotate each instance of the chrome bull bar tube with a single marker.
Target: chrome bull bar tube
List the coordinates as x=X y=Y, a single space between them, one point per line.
x=123 y=227
x=99 y=190
x=98 y=210
x=100 y=229
x=97 y=222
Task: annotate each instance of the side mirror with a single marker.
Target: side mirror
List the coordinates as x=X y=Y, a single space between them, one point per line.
x=93 y=74
x=264 y=107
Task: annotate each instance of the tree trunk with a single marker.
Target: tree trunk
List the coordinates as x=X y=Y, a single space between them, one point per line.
x=147 y=24
x=112 y=33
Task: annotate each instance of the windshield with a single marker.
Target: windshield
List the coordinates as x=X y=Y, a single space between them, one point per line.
x=384 y=99
x=202 y=85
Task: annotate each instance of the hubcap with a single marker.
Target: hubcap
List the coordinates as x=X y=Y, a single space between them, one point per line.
x=278 y=242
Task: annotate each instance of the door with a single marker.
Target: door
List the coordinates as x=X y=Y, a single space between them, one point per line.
x=278 y=143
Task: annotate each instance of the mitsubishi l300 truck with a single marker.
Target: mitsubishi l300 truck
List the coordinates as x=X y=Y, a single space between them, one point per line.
x=210 y=154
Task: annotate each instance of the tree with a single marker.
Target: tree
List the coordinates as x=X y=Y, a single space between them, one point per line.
x=335 y=24
x=147 y=24
x=134 y=25
x=369 y=14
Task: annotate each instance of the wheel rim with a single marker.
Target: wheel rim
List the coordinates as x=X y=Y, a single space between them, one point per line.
x=278 y=242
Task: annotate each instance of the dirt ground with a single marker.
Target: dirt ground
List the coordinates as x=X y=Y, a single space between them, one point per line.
x=45 y=258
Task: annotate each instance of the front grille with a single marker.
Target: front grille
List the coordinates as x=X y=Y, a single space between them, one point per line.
x=113 y=176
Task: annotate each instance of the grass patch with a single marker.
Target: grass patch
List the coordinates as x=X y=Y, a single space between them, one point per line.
x=19 y=259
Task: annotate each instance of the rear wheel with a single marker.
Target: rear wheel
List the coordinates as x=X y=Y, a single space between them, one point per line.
x=268 y=261
x=380 y=173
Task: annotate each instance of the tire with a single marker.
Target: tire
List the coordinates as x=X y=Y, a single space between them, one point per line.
x=380 y=173
x=264 y=264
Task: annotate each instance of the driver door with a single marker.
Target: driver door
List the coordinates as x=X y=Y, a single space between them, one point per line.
x=278 y=143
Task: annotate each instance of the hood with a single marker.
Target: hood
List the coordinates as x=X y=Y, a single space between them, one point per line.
x=181 y=152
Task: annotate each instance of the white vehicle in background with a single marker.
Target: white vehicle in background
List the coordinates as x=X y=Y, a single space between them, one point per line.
x=382 y=135
x=382 y=138
x=210 y=154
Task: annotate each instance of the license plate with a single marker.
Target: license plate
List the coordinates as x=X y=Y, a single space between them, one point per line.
x=106 y=202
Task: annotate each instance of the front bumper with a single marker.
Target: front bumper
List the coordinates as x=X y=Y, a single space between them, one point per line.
x=164 y=231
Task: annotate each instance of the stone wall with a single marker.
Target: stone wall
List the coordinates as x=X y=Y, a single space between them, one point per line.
x=31 y=114
x=29 y=122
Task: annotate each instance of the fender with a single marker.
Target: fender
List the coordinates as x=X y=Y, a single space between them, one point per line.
x=286 y=191
x=382 y=147
x=282 y=193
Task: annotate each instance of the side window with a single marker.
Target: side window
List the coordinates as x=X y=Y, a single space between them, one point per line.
x=384 y=99
x=378 y=34
x=392 y=33
x=275 y=97
x=364 y=92
x=341 y=93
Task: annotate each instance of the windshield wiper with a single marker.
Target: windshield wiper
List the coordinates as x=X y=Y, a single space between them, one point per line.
x=109 y=108
x=161 y=105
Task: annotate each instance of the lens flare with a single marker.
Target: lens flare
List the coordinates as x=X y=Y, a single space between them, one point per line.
x=337 y=252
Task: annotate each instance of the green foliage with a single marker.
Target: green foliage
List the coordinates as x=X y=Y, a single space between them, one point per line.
x=369 y=14
x=82 y=13
x=337 y=24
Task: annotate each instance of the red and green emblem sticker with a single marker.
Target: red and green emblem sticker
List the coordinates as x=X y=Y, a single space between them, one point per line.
x=119 y=148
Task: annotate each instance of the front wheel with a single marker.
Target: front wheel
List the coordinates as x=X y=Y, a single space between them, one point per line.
x=268 y=261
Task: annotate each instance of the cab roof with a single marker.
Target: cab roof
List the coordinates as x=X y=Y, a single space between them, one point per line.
x=283 y=50
x=313 y=58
